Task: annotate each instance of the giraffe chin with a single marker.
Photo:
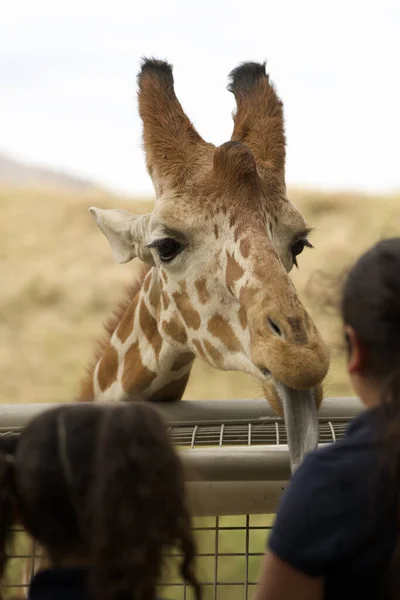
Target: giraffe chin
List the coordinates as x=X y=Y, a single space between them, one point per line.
x=300 y=412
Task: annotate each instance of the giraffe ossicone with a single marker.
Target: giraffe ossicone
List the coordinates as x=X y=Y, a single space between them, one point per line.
x=218 y=247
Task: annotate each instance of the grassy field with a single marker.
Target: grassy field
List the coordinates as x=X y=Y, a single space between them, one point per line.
x=59 y=282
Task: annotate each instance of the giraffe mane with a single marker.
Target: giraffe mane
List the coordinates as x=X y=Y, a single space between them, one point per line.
x=130 y=292
x=114 y=319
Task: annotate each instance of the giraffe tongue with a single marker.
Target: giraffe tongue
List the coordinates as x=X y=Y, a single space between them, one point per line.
x=301 y=421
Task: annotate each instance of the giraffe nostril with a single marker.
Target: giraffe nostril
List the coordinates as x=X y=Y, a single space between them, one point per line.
x=274 y=327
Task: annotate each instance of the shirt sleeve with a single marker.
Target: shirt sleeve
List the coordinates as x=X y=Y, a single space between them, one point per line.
x=308 y=530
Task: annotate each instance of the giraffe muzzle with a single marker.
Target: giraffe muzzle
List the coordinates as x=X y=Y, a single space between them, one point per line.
x=289 y=348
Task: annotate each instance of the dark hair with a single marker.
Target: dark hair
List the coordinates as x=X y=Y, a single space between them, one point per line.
x=103 y=480
x=371 y=306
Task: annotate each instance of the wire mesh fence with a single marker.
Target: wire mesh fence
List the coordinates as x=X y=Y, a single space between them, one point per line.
x=229 y=553
x=230 y=546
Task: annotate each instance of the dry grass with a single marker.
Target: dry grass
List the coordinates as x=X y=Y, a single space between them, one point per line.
x=59 y=282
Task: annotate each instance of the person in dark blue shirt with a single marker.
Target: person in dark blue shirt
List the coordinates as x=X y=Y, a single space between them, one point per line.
x=337 y=529
x=101 y=489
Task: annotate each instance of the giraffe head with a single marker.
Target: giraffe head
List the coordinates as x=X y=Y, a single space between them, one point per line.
x=223 y=237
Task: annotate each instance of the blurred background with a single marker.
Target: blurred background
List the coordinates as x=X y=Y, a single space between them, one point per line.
x=70 y=137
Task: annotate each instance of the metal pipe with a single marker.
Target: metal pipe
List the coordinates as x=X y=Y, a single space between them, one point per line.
x=187 y=412
x=237 y=463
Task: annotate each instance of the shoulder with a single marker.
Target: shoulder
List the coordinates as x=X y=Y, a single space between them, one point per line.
x=341 y=470
x=324 y=506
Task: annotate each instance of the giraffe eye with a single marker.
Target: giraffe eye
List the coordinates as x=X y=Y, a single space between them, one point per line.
x=167 y=249
x=298 y=248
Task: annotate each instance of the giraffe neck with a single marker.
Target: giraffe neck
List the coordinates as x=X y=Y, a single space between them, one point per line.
x=137 y=362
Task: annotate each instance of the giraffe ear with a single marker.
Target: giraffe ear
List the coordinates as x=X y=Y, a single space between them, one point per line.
x=126 y=233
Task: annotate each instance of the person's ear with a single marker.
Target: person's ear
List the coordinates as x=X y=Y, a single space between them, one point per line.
x=356 y=357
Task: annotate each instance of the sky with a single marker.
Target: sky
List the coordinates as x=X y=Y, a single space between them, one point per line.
x=68 y=82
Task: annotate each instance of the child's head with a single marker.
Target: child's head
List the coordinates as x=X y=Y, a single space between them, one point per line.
x=371 y=315
x=101 y=486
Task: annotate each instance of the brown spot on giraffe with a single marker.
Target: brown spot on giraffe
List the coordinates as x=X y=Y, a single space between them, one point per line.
x=216 y=231
x=214 y=354
x=246 y=295
x=136 y=374
x=184 y=305
x=202 y=292
x=233 y=271
x=182 y=361
x=148 y=325
x=108 y=368
x=199 y=348
x=125 y=327
x=164 y=276
x=173 y=328
x=221 y=329
x=173 y=390
x=245 y=247
x=242 y=317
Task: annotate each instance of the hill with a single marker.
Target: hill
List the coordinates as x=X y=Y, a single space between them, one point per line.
x=59 y=282
x=16 y=174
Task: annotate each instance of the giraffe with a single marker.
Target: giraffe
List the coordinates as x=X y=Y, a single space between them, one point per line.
x=217 y=252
